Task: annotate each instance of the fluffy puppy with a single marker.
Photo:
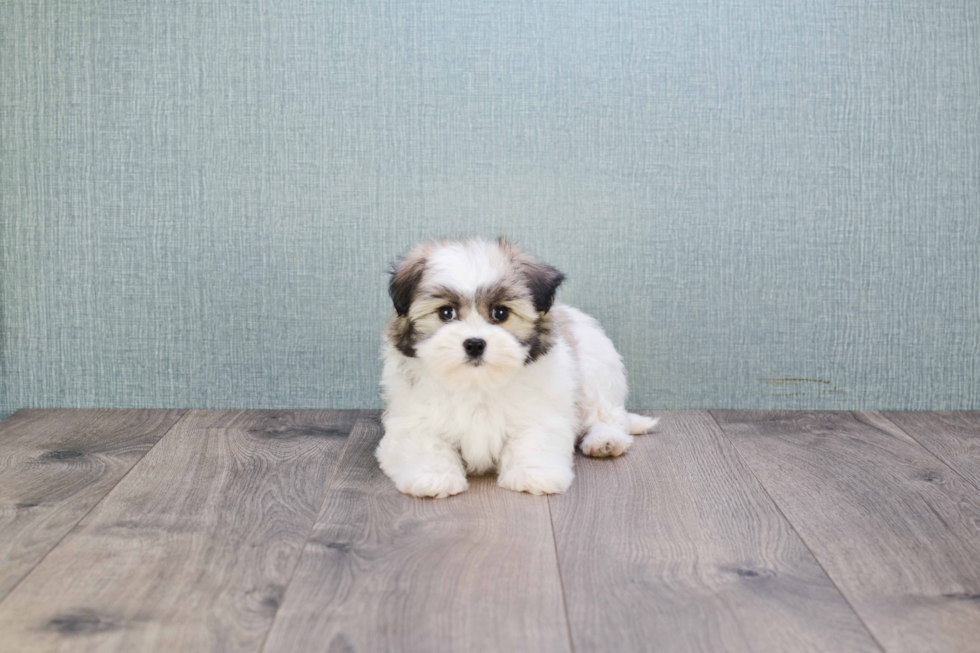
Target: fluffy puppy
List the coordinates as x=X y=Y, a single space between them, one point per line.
x=484 y=371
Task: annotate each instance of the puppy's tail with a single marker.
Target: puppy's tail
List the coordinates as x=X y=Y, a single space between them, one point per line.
x=641 y=424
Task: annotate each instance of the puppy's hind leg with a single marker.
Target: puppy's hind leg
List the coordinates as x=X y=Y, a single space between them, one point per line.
x=607 y=428
x=613 y=435
x=609 y=431
x=606 y=439
x=606 y=425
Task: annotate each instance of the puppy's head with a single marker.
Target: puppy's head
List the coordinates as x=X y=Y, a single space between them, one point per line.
x=473 y=312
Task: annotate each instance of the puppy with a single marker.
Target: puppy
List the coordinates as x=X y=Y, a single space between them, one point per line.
x=484 y=371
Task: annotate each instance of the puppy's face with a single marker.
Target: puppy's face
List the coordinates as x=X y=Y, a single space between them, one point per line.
x=473 y=312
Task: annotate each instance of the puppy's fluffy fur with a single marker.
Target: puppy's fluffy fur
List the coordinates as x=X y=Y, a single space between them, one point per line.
x=544 y=377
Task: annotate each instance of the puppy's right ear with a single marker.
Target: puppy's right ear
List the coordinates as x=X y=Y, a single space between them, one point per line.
x=406 y=274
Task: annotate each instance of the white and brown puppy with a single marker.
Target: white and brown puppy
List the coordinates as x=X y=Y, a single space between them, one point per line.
x=483 y=371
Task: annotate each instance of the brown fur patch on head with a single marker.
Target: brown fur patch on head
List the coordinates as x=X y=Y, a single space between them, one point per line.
x=541 y=280
x=542 y=339
x=538 y=283
x=533 y=328
x=406 y=275
x=401 y=333
x=424 y=312
x=512 y=294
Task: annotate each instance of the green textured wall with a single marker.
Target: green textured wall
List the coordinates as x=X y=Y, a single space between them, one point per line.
x=766 y=204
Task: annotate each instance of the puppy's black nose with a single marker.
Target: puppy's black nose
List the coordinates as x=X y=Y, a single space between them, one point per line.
x=474 y=346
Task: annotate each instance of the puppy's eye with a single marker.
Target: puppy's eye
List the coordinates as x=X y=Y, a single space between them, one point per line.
x=447 y=313
x=499 y=313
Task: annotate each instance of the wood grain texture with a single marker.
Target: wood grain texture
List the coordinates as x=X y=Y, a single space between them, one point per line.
x=387 y=572
x=192 y=550
x=55 y=465
x=895 y=528
x=676 y=546
x=953 y=437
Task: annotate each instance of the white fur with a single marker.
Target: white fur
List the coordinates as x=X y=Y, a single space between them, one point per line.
x=445 y=418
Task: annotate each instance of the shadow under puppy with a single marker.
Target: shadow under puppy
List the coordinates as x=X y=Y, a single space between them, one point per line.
x=483 y=370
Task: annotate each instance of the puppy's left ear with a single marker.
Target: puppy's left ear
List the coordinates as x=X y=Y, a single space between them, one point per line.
x=543 y=281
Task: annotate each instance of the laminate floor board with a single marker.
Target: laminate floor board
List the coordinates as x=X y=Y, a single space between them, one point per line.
x=386 y=572
x=952 y=436
x=55 y=465
x=896 y=529
x=676 y=547
x=192 y=550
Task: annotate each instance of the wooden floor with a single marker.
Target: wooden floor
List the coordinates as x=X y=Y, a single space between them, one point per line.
x=275 y=531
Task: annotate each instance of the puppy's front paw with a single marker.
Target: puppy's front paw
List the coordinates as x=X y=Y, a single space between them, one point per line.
x=438 y=485
x=605 y=440
x=536 y=479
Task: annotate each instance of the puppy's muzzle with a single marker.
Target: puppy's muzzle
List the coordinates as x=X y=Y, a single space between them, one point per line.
x=474 y=347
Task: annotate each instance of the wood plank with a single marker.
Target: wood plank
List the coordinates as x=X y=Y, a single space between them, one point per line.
x=192 y=550
x=387 y=572
x=55 y=465
x=895 y=528
x=676 y=547
x=952 y=436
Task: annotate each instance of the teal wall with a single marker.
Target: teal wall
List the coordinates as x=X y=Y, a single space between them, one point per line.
x=199 y=199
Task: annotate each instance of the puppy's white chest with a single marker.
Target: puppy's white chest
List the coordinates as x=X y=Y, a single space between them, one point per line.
x=480 y=435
